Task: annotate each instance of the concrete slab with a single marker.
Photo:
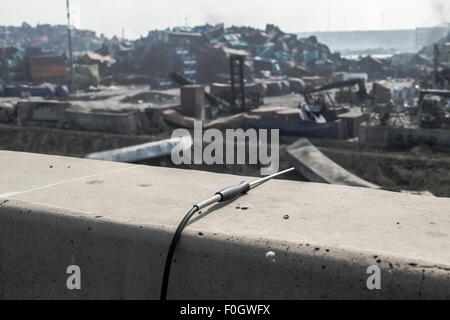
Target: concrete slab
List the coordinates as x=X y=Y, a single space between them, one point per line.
x=116 y=221
x=317 y=167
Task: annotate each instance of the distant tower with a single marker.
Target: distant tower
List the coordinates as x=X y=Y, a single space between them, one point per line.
x=69 y=34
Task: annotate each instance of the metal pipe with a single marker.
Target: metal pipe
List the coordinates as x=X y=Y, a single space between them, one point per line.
x=234 y=191
x=264 y=180
x=242 y=79
x=208 y=202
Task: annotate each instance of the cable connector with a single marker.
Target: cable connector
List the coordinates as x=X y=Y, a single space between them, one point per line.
x=234 y=191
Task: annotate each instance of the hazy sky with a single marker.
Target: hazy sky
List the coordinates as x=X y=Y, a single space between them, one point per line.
x=137 y=17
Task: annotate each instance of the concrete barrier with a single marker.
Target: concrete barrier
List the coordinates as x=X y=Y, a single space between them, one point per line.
x=115 y=221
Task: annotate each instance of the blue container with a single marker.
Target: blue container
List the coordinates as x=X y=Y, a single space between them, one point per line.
x=13 y=91
x=62 y=92
x=42 y=91
x=286 y=86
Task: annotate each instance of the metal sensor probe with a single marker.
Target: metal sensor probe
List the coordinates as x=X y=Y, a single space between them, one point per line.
x=226 y=194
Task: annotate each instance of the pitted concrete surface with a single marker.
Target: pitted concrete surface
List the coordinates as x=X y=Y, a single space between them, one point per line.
x=116 y=221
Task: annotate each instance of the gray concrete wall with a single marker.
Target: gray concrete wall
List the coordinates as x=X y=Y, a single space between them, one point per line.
x=390 y=136
x=67 y=142
x=122 y=123
x=36 y=111
x=116 y=221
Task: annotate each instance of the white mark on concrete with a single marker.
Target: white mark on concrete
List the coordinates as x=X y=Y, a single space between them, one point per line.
x=271 y=256
x=11 y=194
x=7 y=195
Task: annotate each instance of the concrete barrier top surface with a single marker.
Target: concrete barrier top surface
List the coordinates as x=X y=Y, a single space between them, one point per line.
x=410 y=227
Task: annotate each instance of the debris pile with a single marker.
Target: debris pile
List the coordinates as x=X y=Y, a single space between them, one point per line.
x=39 y=54
x=48 y=39
x=423 y=64
x=201 y=54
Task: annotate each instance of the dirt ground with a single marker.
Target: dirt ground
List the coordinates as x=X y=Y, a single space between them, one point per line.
x=66 y=142
x=397 y=171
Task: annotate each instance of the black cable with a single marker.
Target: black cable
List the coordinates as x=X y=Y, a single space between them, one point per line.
x=221 y=196
x=170 y=254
